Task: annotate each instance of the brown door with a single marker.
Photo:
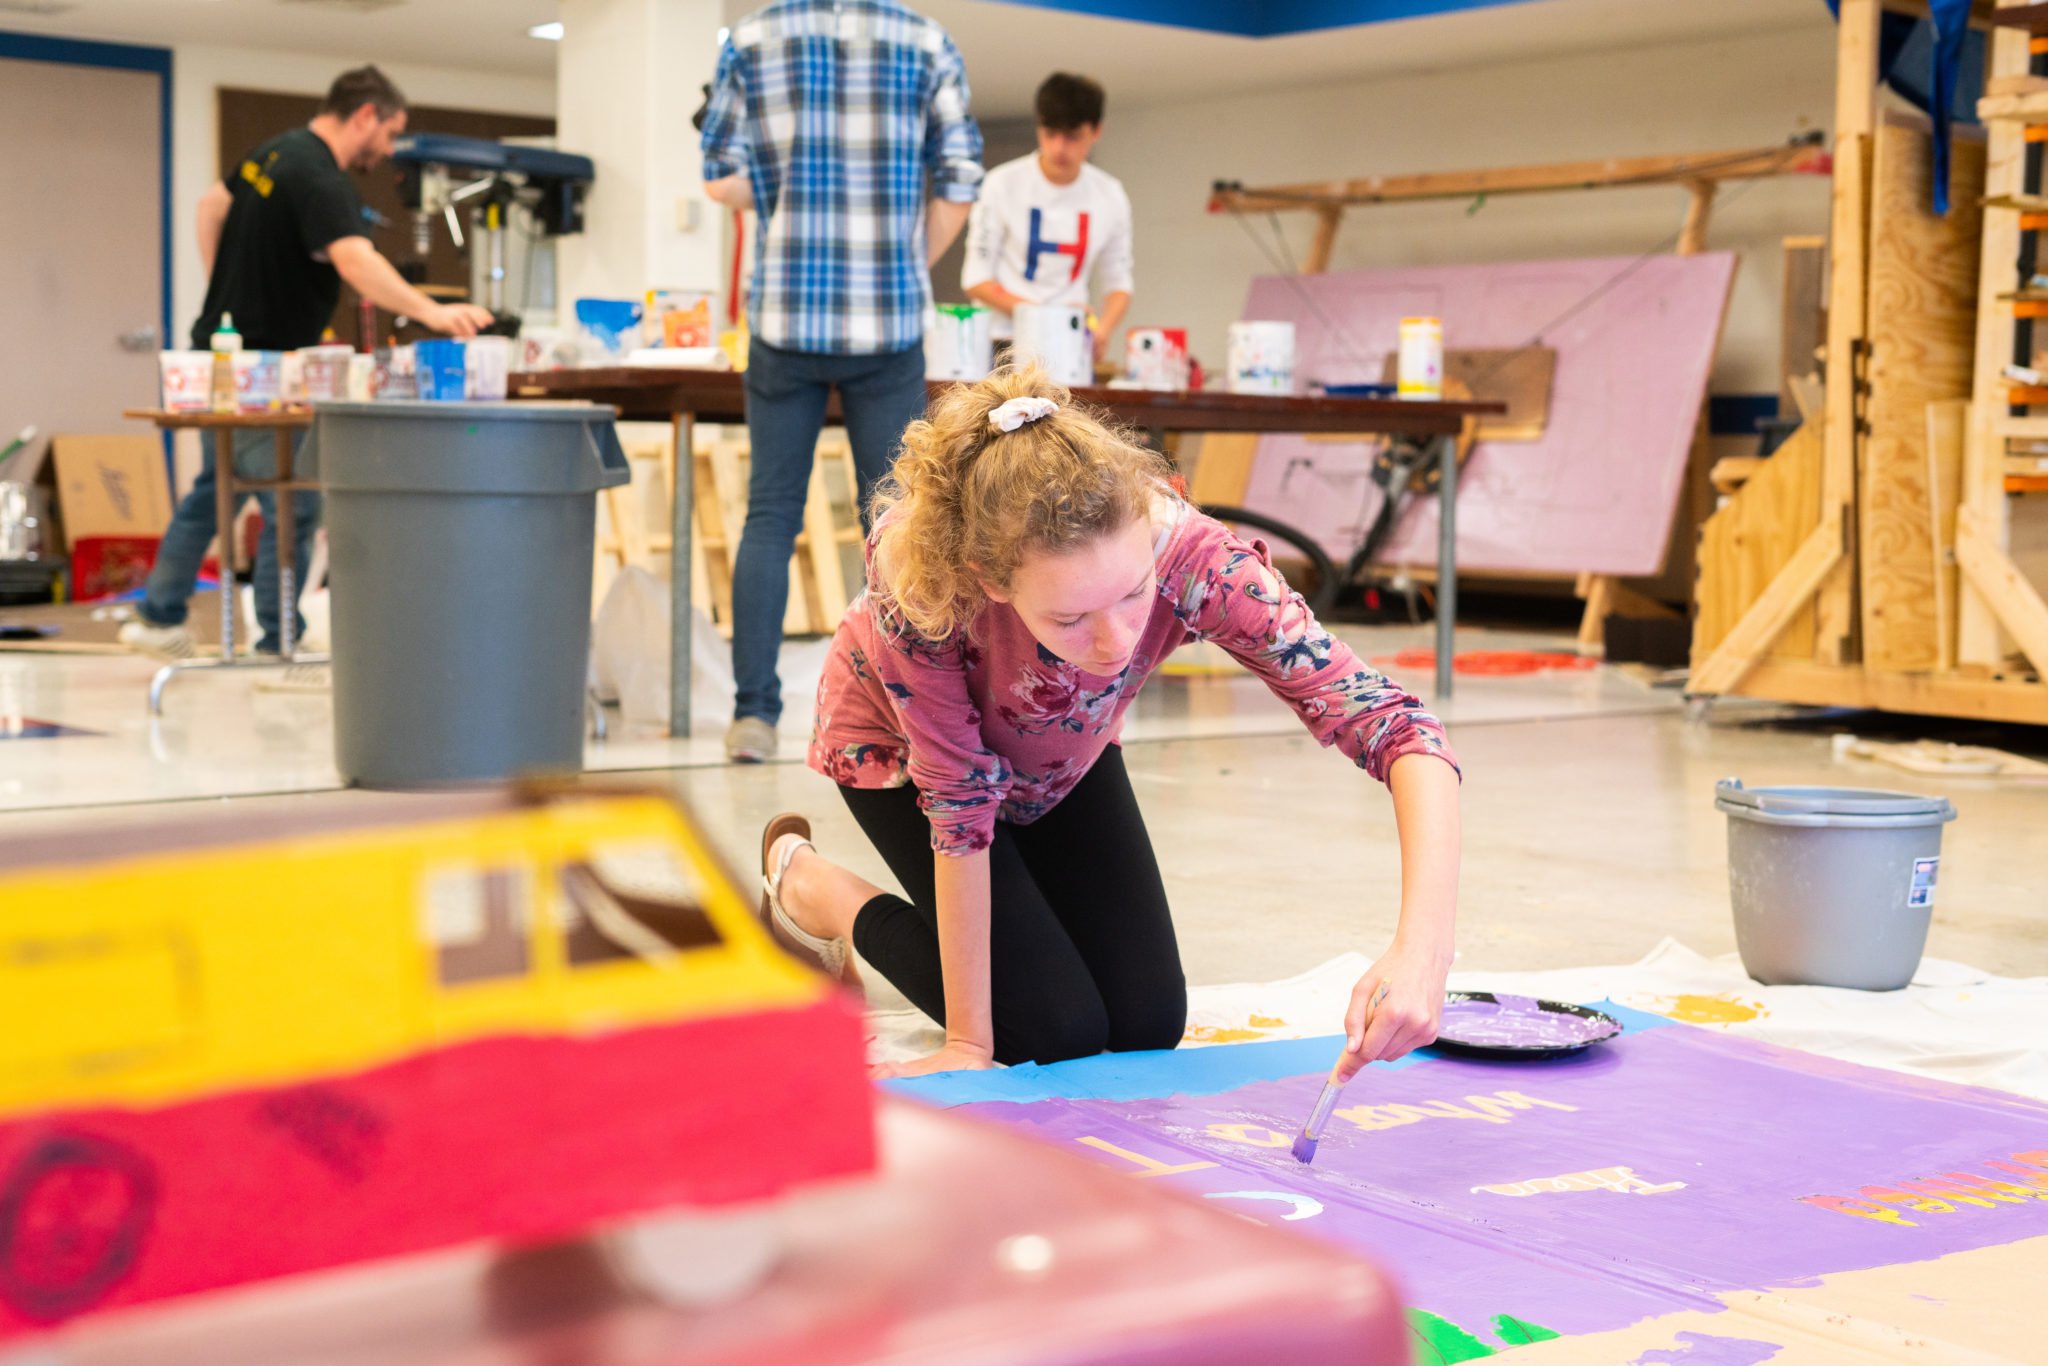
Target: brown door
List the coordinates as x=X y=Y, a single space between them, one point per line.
x=81 y=256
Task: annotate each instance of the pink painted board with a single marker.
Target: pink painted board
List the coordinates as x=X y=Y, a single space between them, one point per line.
x=1597 y=491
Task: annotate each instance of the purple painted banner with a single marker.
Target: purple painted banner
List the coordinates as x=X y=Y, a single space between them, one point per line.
x=1582 y=1194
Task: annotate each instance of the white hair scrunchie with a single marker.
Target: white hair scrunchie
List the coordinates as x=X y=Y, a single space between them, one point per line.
x=1011 y=414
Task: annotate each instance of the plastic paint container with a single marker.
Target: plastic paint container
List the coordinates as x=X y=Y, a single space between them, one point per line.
x=1056 y=339
x=487 y=363
x=958 y=343
x=440 y=370
x=680 y=317
x=1261 y=358
x=1157 y=357
x=324 y=372
x=362 y=377
x=187 y=380
x=259 y=380
x=1420 y=371
x=1831 y=886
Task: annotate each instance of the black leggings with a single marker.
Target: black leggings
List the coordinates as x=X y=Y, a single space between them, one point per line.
x=1082 y=956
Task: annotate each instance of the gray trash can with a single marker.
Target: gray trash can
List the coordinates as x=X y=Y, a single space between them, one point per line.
x=460 y=539
x=1831 y=886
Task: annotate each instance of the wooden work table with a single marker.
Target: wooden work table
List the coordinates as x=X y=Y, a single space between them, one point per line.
x=684 y=397
x=230 y=488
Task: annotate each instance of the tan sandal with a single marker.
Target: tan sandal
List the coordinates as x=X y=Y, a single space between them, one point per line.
x=833 y=957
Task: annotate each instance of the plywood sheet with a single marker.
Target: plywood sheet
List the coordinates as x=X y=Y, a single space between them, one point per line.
x=1923 y=319
x=1745 y=544
x=1596 y=492
x=1947 y=432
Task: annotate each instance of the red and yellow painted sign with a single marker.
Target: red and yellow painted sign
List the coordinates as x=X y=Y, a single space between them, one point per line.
x=227 y=1061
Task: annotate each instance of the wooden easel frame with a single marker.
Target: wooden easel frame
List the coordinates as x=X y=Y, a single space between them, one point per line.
x=1699 y=174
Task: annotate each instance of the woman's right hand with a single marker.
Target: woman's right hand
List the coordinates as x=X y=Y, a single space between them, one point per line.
x=956 y=1056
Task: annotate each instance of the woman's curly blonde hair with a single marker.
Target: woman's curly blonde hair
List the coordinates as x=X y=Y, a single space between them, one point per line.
x=966 y=501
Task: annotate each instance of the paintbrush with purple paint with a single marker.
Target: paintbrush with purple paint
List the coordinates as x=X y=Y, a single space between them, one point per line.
x=1304 y=1149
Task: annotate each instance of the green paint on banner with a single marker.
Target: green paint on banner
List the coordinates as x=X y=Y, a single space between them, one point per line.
x=1443 y=1342
x=1519 y=1332
x=474 y=429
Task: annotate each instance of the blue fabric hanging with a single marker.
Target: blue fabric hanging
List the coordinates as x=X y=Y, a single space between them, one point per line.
x=1936 y=65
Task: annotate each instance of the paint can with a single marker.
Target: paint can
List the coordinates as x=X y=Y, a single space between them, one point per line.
x=679 y=317
x=1262 y=358
x=1831 y=886
x=1420 y=371
x=1057 y=340
x=958 y=343
x=324 y=372
x=187 y=380
x=1156 y=357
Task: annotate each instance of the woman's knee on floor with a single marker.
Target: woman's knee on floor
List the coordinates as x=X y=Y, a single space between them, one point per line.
x=1071 y=1025
x=1155 y=1019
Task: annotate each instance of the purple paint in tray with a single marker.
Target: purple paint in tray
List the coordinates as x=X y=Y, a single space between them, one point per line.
x=1485 y=1019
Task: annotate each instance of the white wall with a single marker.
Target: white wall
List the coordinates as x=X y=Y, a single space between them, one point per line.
x=629 y=76
x=197 y=74
x=1193 y=268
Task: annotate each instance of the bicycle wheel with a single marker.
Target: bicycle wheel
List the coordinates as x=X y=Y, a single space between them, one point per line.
x=1304 y=564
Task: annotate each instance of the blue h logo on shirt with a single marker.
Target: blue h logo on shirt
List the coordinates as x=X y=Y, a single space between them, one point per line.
x=1036 y=245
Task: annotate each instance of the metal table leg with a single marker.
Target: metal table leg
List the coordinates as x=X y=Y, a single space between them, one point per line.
x=286 y=534
x=1446 y=562
x=228 y=493
x=224 y=518
x=679 y=613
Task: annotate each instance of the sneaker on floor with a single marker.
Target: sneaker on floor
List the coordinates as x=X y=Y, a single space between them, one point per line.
x=298 y=678
x=165 y=642
x=749 y=740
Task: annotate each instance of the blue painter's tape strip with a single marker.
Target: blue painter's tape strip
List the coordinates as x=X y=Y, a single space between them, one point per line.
x=1170 y=1071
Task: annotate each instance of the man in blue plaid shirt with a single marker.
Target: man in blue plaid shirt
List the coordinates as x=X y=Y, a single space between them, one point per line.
x=843 y=125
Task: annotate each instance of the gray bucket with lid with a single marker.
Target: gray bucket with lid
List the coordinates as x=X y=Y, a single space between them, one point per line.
x=1831 y=886
x=460 y=537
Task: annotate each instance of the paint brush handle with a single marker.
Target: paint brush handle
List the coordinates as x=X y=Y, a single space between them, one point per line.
x=1325 y=1103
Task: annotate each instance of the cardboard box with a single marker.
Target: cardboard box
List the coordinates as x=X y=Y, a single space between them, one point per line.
x=111 y=485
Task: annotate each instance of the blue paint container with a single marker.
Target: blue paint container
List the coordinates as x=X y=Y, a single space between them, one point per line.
x=438 y=368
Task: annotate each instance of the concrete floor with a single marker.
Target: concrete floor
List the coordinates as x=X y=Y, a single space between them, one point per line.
x=1591 y=832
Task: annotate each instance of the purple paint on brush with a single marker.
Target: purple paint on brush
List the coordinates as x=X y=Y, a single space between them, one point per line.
x=1304 y=1149
x=1518 y=1022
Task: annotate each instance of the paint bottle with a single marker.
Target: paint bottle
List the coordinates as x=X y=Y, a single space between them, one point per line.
x=1420 y=372
x=226 y=343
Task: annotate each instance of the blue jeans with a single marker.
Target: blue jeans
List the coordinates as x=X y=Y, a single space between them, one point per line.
x=786 y=393
x=192 y=528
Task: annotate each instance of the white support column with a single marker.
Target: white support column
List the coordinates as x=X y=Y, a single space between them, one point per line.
x=629 y=78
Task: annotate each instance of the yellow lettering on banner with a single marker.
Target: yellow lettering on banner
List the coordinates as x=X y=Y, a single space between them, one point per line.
x=1498 y=1108
x=1150 y=1166
x=2036 y=1188
x=1919 y=1204
x=1619 y=1180
x=1252 y=1134
x=1948 y=1190
x=1862 y=1209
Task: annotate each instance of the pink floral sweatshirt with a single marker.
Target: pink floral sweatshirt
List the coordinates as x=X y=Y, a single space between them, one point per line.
x=991 y=724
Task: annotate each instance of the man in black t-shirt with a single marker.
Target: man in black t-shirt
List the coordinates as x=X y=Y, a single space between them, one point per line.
x=278 y=235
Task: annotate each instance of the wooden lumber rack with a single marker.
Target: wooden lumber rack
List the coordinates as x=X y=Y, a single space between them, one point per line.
x=1888 y=556
x=1700 y=174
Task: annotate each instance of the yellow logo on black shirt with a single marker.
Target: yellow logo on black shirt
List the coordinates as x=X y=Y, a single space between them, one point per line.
x=258 y=175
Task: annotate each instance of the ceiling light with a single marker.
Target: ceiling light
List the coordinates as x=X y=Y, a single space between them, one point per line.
x=551 y=32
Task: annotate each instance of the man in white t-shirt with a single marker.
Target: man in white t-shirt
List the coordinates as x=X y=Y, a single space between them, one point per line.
x=1049 y=225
